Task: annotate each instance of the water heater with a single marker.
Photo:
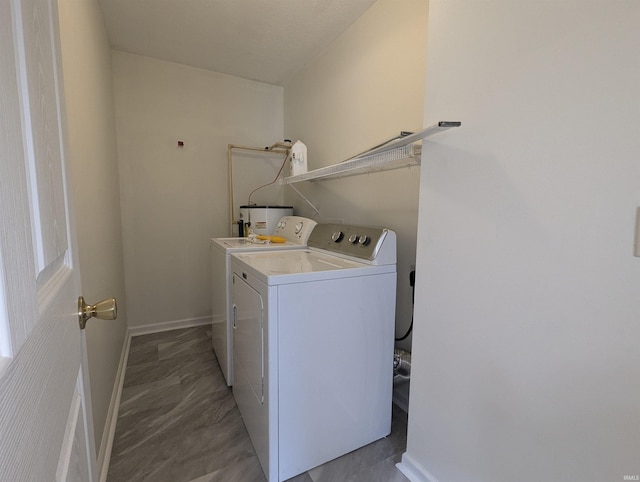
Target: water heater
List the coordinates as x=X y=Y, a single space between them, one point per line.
x=263 y=219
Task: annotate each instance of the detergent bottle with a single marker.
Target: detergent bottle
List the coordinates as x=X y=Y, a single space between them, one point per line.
x=298 y=158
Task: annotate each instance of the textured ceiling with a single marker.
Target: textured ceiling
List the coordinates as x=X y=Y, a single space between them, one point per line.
x=265 y=40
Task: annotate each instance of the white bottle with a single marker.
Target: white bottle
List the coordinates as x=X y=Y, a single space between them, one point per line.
x=298 y=158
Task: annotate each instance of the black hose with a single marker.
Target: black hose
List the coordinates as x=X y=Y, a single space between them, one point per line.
x=412 y=281
x=404 y=337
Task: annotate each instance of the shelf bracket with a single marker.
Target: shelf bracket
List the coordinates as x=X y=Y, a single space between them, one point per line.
x=304 y=199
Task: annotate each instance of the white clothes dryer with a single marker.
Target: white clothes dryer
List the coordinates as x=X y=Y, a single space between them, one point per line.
x=296 y=231
x=313 y=346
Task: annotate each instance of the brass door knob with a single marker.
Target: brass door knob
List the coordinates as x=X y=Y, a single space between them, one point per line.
x=105 y=310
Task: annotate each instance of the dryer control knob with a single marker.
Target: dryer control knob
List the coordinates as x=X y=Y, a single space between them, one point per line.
x=337 y=236
x=299 y=227
x=364 y=240
x=353 y=239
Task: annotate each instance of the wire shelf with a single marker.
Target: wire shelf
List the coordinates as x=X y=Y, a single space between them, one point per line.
x=396 y=158
x=394 y=155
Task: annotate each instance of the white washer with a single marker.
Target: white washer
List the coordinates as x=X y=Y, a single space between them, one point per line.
x=295 y=229
x=313 y=346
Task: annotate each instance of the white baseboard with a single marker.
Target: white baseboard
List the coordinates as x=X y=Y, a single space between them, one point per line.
x=109 y=431
x=168 y=325
x=413 y=471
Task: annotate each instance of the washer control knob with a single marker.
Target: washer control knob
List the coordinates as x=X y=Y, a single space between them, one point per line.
x=337 y=236
x=364 y=240
x=299 y=227
x=353 y=239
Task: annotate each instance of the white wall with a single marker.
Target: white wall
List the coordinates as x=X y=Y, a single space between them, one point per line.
x=526 y=360
x=365 y=88
x=174 y=200
x=86 y=58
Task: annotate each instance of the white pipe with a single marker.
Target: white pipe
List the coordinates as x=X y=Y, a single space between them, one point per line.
x=230 y=175
x=277 y=148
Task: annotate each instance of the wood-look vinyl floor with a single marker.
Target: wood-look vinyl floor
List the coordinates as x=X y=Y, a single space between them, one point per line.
x=178 y=422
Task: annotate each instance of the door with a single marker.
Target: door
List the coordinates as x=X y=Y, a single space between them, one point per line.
x=248 y=309
x=248 y=338
x=45 y=418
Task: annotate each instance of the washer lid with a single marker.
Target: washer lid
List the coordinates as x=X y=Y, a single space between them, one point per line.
x=301 y=266
x=231 y=245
